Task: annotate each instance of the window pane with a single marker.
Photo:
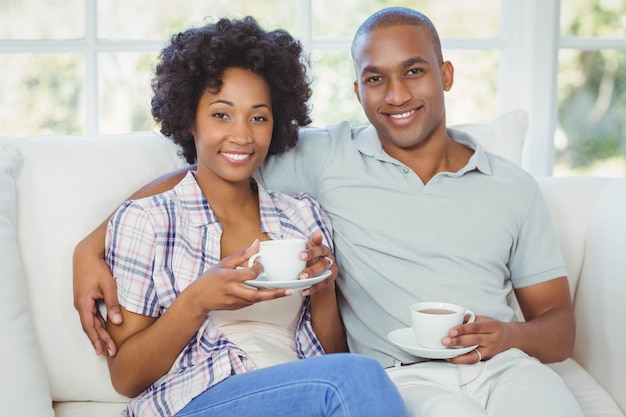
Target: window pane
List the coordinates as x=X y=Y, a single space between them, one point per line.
x=591 y=136
x=333 y=92
x=158 y=19
x=27 y=19
x=593 y=18
x=473 y=97
x=42 y=94
x=451 y=17
x=125 y=92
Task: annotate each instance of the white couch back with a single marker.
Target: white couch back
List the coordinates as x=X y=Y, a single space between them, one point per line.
x=589 y=214
x=61 y=188
x=64 y=187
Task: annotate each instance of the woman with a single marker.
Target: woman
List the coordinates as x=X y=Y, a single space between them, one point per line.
x=230 y=94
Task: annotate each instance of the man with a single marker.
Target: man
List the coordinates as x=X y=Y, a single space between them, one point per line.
x=422 y=213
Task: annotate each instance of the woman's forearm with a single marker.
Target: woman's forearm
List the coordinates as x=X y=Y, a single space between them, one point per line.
x=326 y=321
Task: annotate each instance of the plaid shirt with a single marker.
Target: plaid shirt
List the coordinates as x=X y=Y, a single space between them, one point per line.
x=158 y=245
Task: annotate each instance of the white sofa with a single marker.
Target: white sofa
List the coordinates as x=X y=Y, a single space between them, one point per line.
x=54 y=190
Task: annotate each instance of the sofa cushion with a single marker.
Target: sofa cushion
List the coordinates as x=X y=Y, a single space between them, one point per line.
x=599 y=306
x=503 y=136
x=571 y=202
x=592 y=398
x=88 y=409
x=65 y=187
x=24 y=387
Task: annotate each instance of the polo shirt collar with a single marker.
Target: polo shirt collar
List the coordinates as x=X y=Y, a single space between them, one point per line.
x=366 y=141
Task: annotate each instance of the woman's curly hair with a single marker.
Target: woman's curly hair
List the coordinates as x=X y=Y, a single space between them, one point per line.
x=195 y=61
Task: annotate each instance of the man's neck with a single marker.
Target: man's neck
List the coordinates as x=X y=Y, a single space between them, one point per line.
x=435 y=156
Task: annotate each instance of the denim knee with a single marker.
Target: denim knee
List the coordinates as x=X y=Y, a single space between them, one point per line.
x=362 y=384
x=357 y=367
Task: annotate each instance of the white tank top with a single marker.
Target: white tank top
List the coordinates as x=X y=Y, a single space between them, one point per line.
x=265 y=331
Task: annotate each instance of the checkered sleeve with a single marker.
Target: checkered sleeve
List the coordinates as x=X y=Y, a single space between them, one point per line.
x=130 y=251
x=307 y=343
x=317 y=218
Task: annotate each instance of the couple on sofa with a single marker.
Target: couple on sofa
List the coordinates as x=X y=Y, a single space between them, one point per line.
x=419 y=212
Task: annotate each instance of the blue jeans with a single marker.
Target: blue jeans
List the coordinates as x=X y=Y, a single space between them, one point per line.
x=337 y=385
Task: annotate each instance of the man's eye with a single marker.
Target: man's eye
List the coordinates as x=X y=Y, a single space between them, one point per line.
x=415 y=71
x=374 y=79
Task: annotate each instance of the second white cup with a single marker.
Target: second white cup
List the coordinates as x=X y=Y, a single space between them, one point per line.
x=431 y=321
x=280 y=259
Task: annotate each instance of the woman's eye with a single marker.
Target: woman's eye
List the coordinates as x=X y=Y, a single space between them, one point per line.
x=219 y=115
x=259 y=119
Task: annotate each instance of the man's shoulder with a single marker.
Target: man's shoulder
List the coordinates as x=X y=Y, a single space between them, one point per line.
x=504 y=167
x=337 y=131
x=170 y=200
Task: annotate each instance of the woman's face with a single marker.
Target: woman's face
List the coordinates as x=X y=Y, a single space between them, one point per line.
x=234 y=126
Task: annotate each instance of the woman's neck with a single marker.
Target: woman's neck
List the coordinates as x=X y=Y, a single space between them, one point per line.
x=237 y=208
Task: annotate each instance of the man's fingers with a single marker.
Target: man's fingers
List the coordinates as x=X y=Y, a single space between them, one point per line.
x=467 y=358
x=109 y=293
x=88 y=314
x=105 y=339
x=94 y=337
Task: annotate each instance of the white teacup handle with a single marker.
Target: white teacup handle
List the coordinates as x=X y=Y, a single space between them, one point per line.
x=469 y=313
x=253 y=258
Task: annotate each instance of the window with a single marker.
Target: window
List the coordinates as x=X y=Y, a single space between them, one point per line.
x=591 y=129
x=84 y=66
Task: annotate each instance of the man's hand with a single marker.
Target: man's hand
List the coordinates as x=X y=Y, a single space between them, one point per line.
x=491 y=336
x=93 y=281
x=547 y=333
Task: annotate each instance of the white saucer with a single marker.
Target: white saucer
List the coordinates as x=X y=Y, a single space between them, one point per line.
x=405 y=340
x=299 y=284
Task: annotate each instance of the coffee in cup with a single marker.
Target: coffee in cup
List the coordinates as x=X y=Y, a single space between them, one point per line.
x=280 y=259
x=431 y=321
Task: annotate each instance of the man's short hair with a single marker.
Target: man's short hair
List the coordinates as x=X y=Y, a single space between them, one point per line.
x=399 y=16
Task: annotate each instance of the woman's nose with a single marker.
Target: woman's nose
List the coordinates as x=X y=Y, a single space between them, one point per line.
x=240 y=133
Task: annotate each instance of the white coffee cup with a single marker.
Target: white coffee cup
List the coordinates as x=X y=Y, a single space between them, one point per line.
x=431 y=321
x=280 y=259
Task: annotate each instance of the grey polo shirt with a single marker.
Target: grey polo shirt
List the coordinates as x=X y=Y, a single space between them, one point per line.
x=466 y=237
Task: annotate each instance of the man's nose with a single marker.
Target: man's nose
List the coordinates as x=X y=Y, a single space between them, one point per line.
x=397 y=93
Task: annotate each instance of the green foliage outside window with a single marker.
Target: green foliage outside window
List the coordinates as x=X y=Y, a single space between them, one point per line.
x=592 y=92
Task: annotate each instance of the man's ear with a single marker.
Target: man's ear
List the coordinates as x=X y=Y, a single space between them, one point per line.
x=356 y=91
x=447 y=75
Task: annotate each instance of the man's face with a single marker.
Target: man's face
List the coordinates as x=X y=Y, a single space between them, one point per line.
x=400 y=84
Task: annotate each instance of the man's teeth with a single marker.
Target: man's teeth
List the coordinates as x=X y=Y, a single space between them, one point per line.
x=401 y=115
x=236 y=156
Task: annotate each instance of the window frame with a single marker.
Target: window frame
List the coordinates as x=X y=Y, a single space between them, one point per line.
x=530 y=34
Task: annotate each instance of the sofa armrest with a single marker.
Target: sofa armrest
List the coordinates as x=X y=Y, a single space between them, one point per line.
x=600 y=305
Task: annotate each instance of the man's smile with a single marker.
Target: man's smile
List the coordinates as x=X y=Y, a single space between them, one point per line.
x=401 y=115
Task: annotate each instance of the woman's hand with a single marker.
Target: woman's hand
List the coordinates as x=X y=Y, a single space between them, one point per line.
x=319 y=259
x=222 y=287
